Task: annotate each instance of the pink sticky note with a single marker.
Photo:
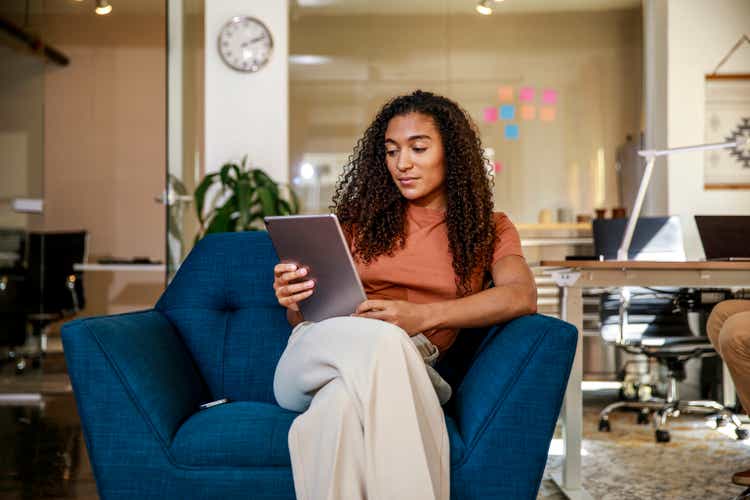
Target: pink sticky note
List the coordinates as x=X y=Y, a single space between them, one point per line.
x=498 y=166
x=526 y=94
x=490 y=114
x=547 y=114
x=549 y=96
x=528 y=112
x=505 y=93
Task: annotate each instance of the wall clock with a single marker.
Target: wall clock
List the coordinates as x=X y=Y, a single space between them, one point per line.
x=245 y=44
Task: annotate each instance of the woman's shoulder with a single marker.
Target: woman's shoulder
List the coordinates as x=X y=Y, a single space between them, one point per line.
x=507 y=241
x=502 y=221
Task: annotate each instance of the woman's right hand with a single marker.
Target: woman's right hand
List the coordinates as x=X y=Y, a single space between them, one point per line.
x=288 y=293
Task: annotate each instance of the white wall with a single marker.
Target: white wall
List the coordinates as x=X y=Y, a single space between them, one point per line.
x=247 y=113
x=700 y=33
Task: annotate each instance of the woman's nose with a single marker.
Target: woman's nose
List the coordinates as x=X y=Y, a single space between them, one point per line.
x=404 y=162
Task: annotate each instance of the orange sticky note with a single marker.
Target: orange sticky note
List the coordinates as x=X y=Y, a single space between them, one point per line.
x=528 y=112
x=505 y=93
x=547 y=114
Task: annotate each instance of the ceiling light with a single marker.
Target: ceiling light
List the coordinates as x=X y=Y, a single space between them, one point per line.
x=307 y=171
x=103 y=7
x=486 y=7
x=309 y=59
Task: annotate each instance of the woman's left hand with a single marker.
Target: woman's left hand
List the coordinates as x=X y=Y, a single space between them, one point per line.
x=409 y=316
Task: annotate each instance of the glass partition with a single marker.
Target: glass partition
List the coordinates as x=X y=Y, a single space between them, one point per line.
x=21 y=122
x=552 y=93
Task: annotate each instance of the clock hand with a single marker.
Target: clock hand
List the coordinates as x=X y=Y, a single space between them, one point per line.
x=257 y=39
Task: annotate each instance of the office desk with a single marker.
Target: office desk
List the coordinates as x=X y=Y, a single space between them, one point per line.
x=572 y=277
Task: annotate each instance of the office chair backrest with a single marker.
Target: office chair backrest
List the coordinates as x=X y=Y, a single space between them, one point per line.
x=655 y=238
x=222 y=303
x=52 y=256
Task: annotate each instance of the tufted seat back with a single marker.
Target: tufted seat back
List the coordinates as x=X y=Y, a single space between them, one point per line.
x=222 y=304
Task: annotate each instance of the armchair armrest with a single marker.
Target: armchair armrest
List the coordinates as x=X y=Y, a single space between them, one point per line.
x=131 y=373
x=508 y=403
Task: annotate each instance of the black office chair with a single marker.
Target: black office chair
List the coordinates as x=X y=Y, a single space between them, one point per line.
x=664 y=324
x=55 y=289
x=655 y=323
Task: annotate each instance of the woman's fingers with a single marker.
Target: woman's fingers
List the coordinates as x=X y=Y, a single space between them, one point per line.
x=293 y=299
x=370 y=305
x=280 y=269
x=288 y=290
x=289 y=276
x=288 y=293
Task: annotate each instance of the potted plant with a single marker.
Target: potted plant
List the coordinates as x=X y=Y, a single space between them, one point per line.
x=242 y=198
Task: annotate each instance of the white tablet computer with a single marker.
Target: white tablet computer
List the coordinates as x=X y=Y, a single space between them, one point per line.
x=317 y=242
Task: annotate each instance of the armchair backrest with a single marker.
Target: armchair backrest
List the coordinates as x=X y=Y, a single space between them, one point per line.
x=222 y=304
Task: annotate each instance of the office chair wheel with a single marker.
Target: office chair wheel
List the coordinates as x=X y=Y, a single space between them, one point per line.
x=642 y=418
x=741 y=433
x=721 y=420
x=604 y=426
x=662 y=436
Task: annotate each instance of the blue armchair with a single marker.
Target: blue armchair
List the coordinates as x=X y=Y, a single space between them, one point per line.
x=217 y=331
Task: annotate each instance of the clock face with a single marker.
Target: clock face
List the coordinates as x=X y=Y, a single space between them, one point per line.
x=245 y=44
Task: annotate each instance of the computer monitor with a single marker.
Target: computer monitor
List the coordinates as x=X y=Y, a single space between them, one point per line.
x=654 y=238
x=724 y=237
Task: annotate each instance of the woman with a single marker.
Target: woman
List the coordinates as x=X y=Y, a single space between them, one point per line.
x=415 y=203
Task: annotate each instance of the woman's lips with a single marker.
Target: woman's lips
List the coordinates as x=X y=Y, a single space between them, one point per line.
x=407 y=181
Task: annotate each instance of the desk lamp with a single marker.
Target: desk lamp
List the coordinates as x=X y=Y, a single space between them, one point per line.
x=740 y=143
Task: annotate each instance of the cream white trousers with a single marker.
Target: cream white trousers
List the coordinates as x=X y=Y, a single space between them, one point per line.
x=372 y=426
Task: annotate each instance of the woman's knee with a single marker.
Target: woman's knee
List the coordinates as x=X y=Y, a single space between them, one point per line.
x=734 y=337
x=337 y=401
x=715 y=321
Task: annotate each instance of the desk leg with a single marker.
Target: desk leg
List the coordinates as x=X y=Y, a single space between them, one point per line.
x=572 y=410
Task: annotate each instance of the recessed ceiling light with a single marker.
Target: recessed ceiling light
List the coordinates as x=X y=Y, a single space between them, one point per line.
x=103 y=7
x=485 y=7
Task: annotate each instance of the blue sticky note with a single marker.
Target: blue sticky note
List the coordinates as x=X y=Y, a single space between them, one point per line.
x=511 y=131
x=507 y=111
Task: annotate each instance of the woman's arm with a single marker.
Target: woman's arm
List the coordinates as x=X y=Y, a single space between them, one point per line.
x=513 y=295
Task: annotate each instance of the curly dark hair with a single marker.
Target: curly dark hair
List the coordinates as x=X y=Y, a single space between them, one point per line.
x=372 y=211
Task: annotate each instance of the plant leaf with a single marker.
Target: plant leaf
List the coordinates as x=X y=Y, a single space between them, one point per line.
x=221 y=221
x=267 y=200
x=243 y=201
x=262 y=179
x=226 y=179
x=200 y=194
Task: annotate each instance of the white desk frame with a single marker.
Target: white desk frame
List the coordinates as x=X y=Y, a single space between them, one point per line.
x=572 y=277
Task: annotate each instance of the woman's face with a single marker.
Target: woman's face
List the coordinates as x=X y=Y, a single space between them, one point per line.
x=415 y=158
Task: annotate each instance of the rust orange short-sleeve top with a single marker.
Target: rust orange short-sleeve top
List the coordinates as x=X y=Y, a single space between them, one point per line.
x=422 y=271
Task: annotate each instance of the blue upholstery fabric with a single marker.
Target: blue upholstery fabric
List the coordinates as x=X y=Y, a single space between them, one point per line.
x=242 y=434
x=217 y=331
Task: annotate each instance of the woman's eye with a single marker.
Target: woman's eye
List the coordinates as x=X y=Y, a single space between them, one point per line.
x=419 y=150
x=392 y=152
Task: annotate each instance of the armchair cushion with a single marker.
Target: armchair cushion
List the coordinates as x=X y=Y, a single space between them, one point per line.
x=239 y=434
x=249 y=434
